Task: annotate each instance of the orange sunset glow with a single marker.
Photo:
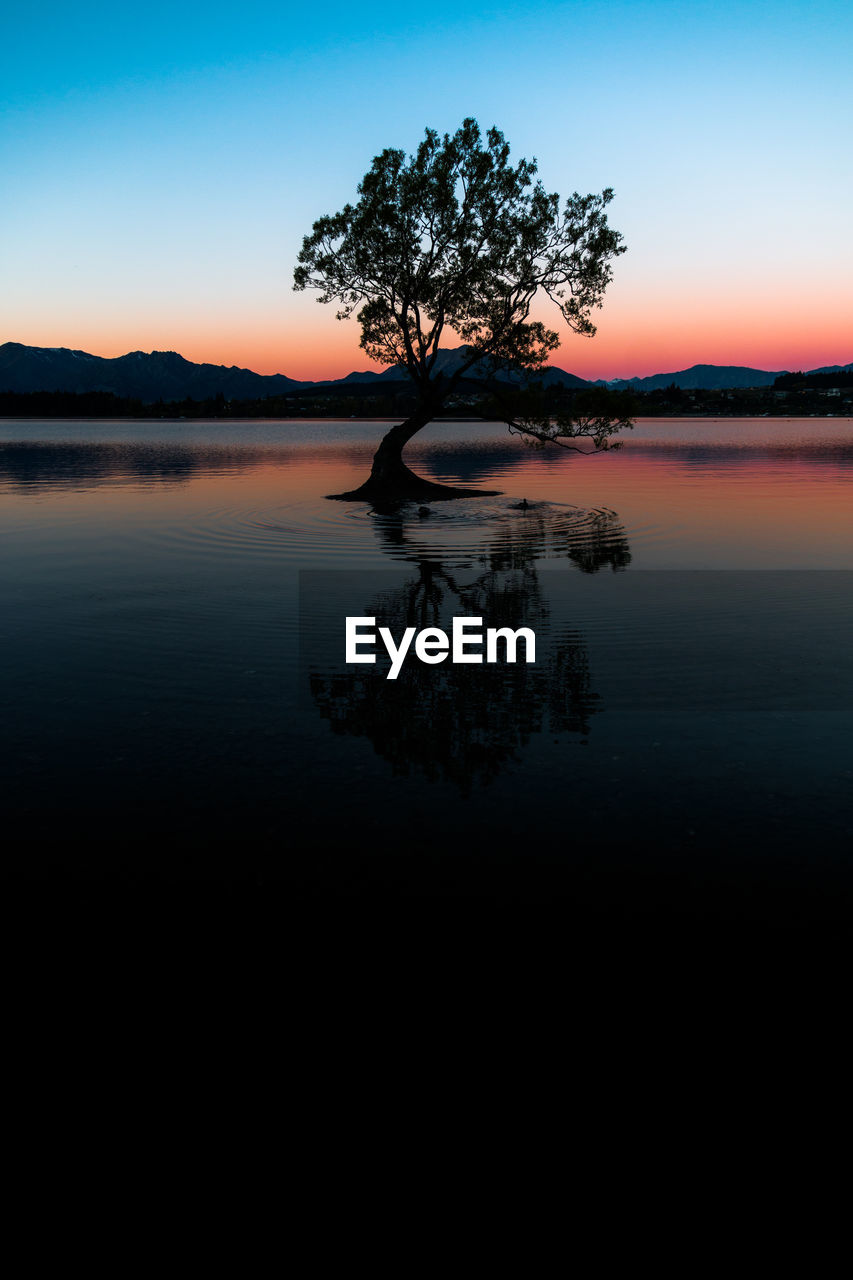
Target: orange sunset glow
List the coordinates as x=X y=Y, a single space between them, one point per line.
x=306 y=342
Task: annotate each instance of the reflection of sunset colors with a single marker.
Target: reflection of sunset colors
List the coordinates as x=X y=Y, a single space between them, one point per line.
x=738 y=494
x=157 y=191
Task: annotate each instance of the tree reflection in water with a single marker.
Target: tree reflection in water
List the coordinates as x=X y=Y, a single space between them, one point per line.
x=465 y=724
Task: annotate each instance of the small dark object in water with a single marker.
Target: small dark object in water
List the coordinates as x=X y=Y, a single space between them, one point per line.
x=424 y=511
x=524 y=505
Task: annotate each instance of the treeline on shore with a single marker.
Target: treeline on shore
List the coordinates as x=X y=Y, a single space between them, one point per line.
x=326 y=403
x=792 y=395
x=68 y=404
x=813 y=381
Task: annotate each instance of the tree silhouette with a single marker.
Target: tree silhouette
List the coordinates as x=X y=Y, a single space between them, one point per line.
x=457 y=239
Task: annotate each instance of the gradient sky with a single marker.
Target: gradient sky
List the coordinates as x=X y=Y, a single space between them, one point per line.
x=161 y=164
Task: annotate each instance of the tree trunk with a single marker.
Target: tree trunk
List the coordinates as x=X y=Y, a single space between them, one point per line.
x=392 y=481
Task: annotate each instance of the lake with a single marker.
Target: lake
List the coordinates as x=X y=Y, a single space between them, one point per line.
x=175 y=704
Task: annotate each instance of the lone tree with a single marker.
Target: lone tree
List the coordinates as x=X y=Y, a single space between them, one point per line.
x=456 y=238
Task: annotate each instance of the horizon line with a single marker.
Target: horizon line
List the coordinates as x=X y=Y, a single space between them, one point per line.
x=380 y=370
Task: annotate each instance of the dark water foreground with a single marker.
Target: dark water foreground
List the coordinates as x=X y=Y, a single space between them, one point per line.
x=175 y=706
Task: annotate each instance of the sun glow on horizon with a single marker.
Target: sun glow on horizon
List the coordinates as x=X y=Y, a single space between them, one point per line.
x=316 y=356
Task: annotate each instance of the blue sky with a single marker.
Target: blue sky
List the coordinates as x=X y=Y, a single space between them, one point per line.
x=161 y=165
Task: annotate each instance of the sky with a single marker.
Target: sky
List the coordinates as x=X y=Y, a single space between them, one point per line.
x=161 y=163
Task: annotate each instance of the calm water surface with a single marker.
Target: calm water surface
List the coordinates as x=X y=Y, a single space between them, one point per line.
x=174 y=701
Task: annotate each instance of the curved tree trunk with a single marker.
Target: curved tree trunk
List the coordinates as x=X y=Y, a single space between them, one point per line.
x=392 y=481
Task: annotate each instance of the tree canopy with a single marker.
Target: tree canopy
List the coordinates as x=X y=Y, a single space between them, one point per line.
x=457 y=239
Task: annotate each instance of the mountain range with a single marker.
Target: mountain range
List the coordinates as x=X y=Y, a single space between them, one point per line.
x=165 y=375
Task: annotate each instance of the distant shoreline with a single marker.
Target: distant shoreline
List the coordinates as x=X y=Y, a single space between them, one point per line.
x=306 y=418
